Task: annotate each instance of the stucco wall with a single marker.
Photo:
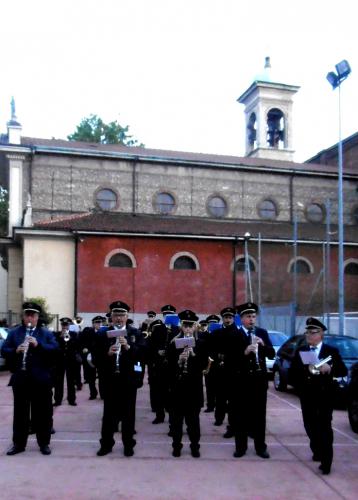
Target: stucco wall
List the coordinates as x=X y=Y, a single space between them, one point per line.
x=49 y=265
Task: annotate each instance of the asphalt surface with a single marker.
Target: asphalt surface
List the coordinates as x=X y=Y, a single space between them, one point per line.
x=73 y=471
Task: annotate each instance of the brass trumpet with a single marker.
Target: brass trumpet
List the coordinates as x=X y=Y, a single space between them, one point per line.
x=314 y=369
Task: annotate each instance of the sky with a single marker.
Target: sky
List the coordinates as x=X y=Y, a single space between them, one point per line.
x=173 y=69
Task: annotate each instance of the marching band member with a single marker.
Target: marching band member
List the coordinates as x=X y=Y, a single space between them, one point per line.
x=29 y=350
x=87 y=339
x=158 y=369
x=186 y=364
x=118 y=354
x=222 y=375
x=315 y=388
x=66 y=363
x=248 y=394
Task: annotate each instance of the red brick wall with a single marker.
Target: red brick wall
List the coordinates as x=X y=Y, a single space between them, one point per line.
x=152 y=284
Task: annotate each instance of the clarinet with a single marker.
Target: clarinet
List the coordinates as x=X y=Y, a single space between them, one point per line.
x=118 y=353
x=26 y=341
x=253 y=341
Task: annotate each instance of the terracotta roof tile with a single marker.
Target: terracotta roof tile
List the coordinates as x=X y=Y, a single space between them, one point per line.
x=115 y=222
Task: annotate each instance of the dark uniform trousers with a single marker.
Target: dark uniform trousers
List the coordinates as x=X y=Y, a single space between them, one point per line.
x=221 y=395
x=317 y=420
x=89 y=375
x=210 y=389
x=192 y=420
x=38 y=397
x=249 y=398
x=118 y=404
x=67 y=368
x=158 y=388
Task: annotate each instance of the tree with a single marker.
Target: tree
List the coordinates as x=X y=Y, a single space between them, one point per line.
x=45 y=317
x=93 y=129
x=4 y=211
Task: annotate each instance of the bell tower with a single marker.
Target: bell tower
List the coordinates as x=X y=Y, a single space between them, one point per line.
x=268 y=117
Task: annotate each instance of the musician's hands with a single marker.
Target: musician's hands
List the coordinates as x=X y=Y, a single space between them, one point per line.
x=21 y=347
x=124 y=343
x=161 y=352
x=325 y=369
x=250 y=348
x=112 y=350
x=32 y=341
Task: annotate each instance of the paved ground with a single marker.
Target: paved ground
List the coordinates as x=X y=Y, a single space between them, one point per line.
x=73 y=471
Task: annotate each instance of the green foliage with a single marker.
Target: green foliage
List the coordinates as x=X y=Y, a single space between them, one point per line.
x=45 y=317
x=93 y=129
x=4 y=211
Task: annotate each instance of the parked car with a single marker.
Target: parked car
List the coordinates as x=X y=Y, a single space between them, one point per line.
x=347 y=347
x=353 y=398
x=277 y=339
x=3 y=335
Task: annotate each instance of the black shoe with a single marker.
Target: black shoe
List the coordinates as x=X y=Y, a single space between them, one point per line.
x=209 y=410
x=229 y=434
x=14 y=450
x=218 y=422
x=263 y=454
x=103 y=451
x=239 y=453
x=79 y=387
x=45 y=450
x=325 y=469
x=73 y=403
x=128 y=451
x=94 y=396
x=53 y=431
x=158 y=420
x=195 y=452
x=176 y=452
x=57 y=403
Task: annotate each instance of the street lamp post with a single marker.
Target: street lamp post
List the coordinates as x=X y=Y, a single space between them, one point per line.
x=335 y=79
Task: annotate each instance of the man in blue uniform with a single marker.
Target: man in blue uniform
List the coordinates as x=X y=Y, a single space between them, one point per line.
x=315 y=388
x=29 y=350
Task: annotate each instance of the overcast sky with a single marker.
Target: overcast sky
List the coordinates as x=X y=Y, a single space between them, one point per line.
x=173 y=69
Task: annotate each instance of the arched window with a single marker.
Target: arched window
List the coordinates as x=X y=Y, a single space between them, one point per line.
x=106 y=199
x=251 y=131
x=314 y=212
x=240 y=264
x=275 y=128
x=267 y=210
x=184 y=260
x=164 y=203
x=351 y=267
x=120 y=258
x=303 y=266
x=217 y=206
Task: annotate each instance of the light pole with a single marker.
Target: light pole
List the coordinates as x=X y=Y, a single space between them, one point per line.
x=335 y=79
x=248 y=289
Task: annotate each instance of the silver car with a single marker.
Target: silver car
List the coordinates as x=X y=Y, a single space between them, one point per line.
x=277 y=339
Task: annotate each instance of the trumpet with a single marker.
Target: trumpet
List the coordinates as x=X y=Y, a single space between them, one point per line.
x=314 y=369
x=27 y=343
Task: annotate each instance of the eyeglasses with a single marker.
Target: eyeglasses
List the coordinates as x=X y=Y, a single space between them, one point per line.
x=312 y=332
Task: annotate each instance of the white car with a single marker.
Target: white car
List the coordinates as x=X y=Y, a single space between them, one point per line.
x=3 y=335
x=277 y=339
